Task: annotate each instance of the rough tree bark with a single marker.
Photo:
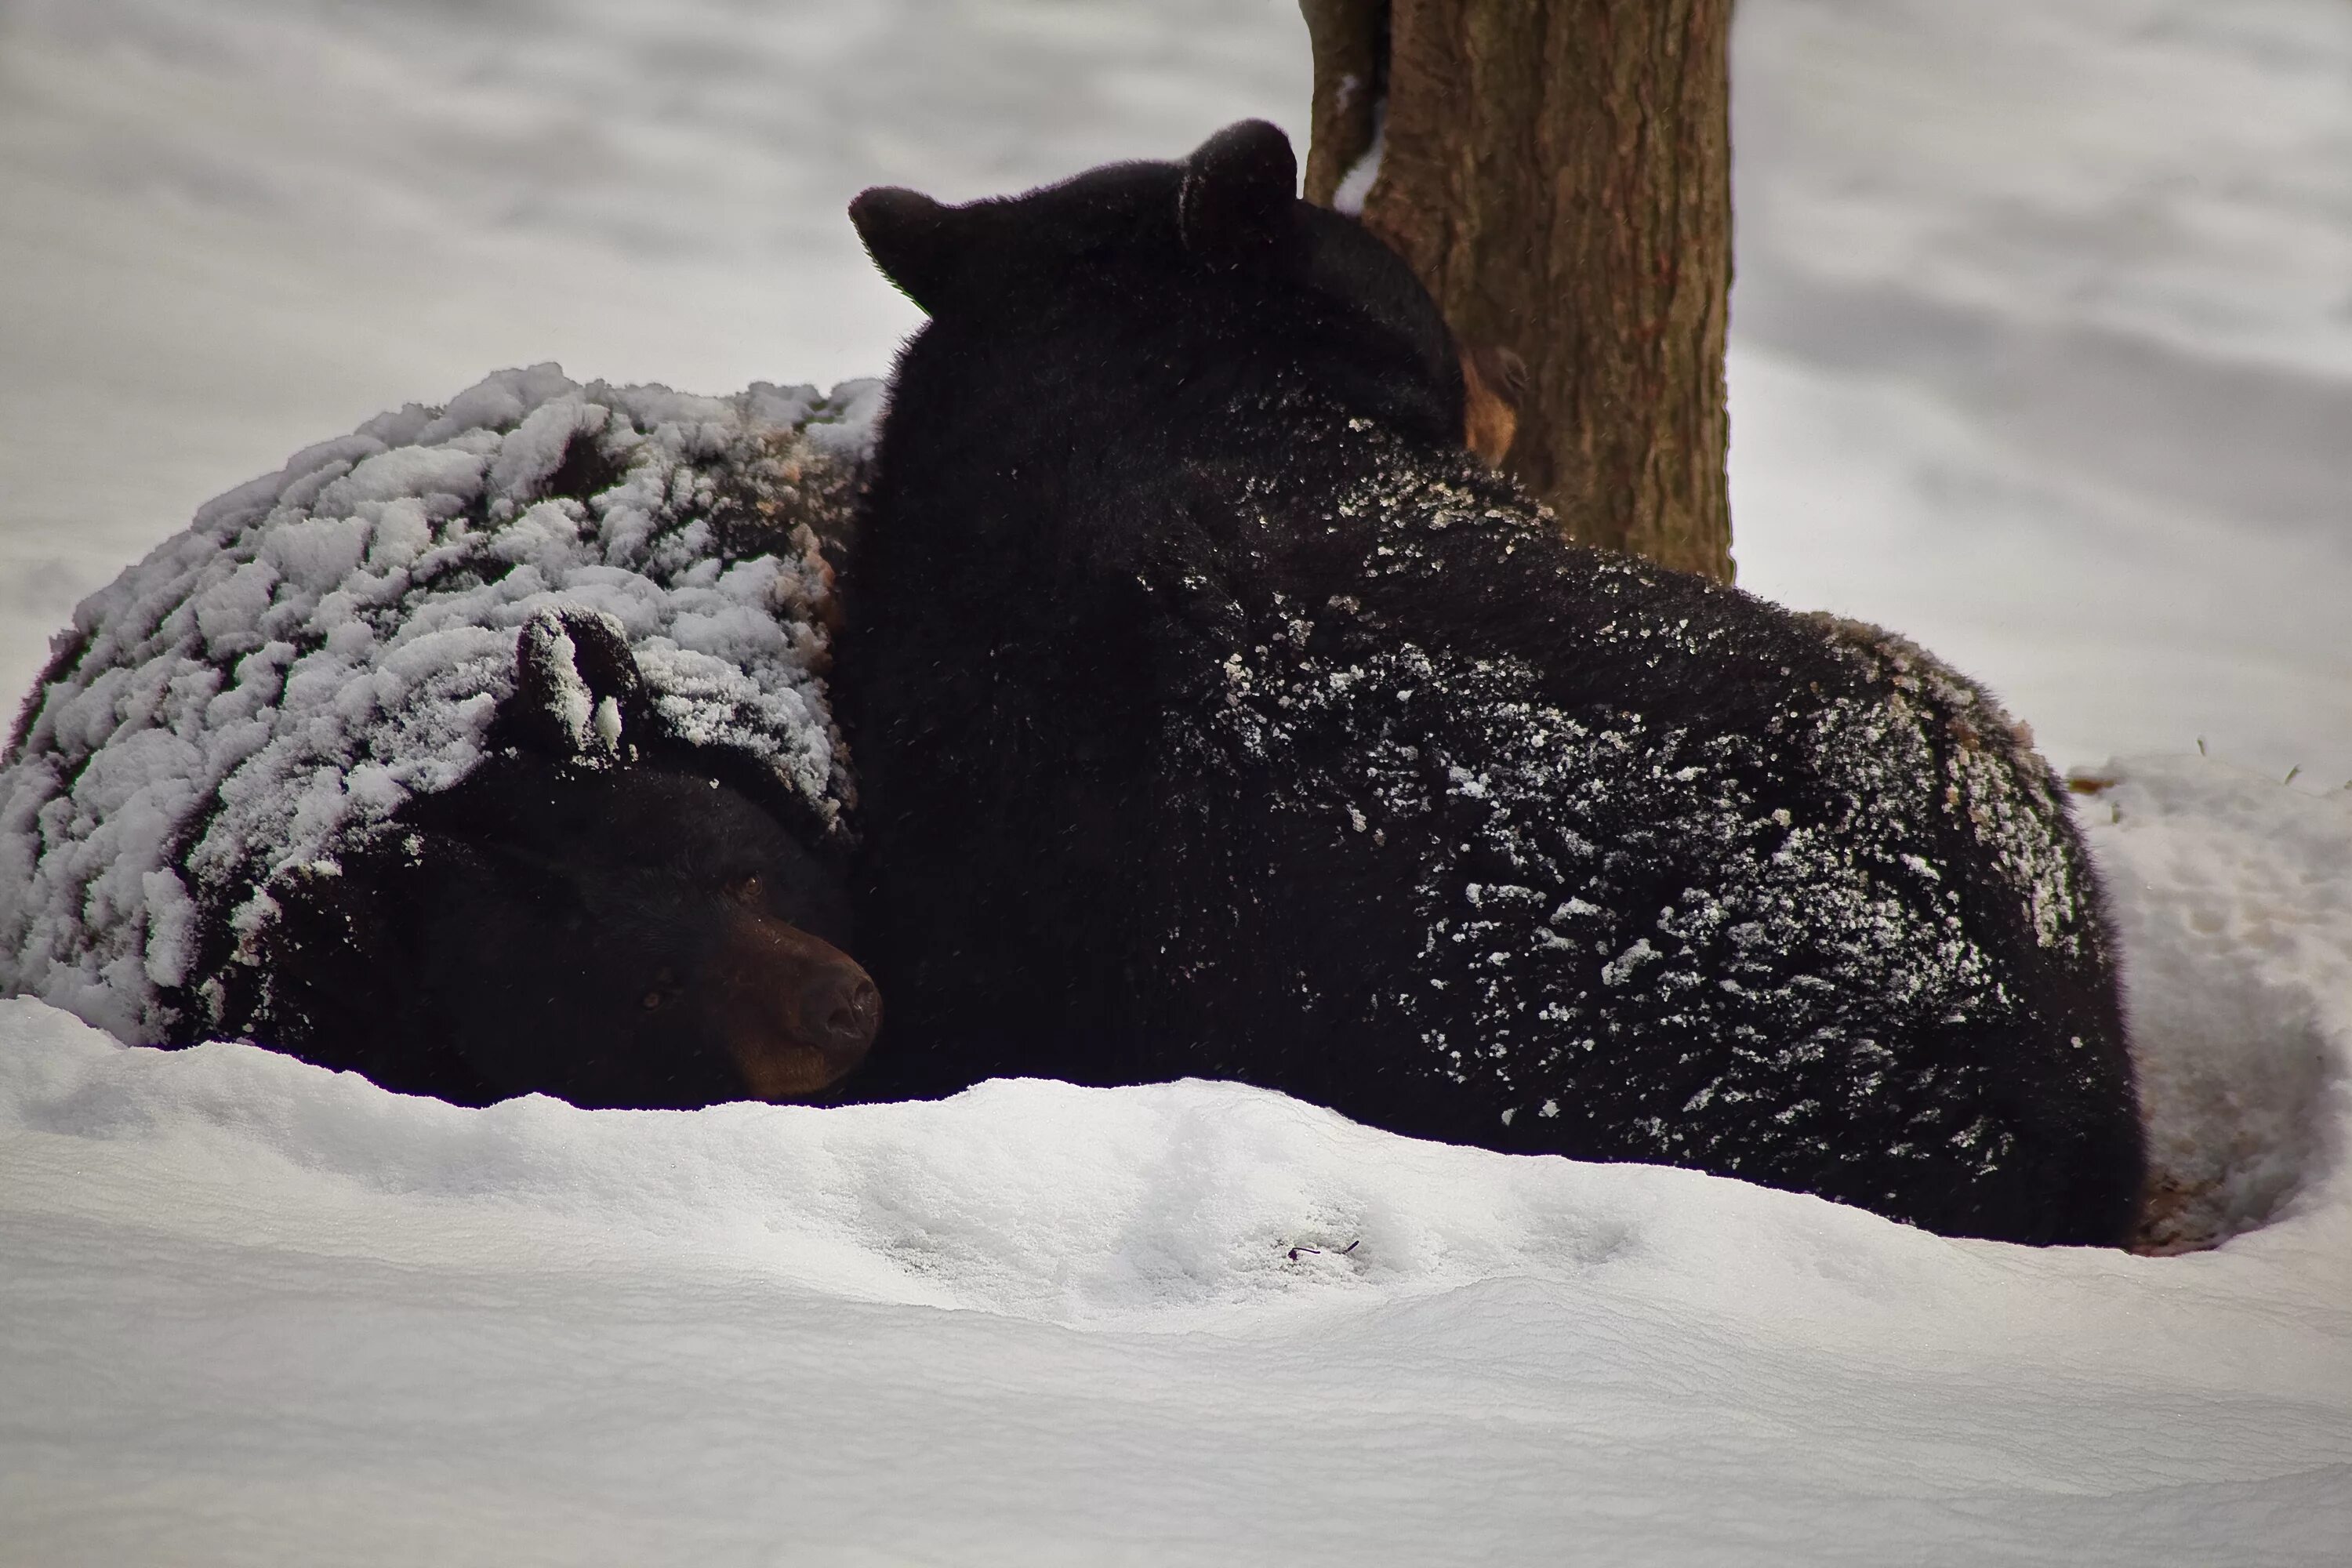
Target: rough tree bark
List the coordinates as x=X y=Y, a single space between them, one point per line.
x=1558 y=173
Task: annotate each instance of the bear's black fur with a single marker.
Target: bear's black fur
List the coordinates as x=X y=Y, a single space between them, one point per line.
x=1217 y=714
x=613 y=928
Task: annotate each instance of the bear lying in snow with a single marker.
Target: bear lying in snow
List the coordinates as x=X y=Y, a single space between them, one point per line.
x=483 y=751
x=1216 y=713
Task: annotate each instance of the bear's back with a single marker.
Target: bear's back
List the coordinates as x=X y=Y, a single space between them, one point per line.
x=1217 y=715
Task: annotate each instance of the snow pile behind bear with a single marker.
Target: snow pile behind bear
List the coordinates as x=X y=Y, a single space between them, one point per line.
x=328 y=641
x=2232 y=897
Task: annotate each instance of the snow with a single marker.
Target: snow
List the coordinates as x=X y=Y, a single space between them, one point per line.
x=258 y=1311
x=2156 y=169
x=2041 y=355
x=2234 y=899
x=1356 y=183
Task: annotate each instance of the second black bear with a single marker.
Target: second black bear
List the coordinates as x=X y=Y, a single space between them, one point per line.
x=1216 y=713
x=484 y=750
x=615 y=924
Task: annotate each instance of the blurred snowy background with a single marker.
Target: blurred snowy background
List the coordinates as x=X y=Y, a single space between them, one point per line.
x=2041 y=343
x=2043 y=354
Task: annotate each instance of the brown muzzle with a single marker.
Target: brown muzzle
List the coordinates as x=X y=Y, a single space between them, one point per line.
x=796 y=1011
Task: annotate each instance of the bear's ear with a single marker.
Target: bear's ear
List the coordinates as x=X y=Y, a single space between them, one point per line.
x=912 y=239
x=1239 y=187
x=576 y=686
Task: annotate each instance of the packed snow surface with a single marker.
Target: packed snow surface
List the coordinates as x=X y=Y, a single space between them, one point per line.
x=254 y=1312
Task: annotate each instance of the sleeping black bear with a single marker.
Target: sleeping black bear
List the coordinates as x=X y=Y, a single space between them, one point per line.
x=483 y=751
x=1217 y=713
x=616 y=929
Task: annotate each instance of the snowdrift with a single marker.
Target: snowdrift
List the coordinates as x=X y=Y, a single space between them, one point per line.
x=255 y=1312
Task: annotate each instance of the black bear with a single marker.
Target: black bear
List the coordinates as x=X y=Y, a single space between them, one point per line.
x=484 y=751
x=616 y=929
x=1217 y=713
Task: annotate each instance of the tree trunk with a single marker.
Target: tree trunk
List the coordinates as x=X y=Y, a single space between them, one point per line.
x=1558 y=173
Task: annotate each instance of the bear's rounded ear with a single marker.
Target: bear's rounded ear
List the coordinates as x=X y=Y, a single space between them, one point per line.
x=576 y=686
x=911 y=239
x=1239 y=187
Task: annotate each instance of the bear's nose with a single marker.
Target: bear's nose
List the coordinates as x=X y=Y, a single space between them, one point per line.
x=794 y=1012
x=842 y=1011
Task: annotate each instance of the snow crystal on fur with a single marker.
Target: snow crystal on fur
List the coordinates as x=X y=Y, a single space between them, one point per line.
x=325 y=642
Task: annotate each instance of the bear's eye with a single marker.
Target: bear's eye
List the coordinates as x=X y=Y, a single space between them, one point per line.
x=750 y=890
x=653 y=1000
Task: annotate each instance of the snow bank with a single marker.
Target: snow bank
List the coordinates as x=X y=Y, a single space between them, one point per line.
x=257 y=1312
x=2234 y=898
x=327 y=641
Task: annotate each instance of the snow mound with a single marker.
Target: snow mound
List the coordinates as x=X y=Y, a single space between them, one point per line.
x=1041 y=1200
x=330 y=639
x=2233 y=896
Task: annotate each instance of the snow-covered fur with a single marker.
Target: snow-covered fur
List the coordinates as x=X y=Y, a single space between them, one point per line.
x=269 y=693
x=1217 y=714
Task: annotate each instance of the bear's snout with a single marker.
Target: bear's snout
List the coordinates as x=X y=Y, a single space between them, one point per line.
x=796 y=1011
x=841 y=1010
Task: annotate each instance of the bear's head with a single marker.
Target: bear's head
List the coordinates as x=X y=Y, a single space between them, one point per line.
x=579 y=916
x=1222 y=236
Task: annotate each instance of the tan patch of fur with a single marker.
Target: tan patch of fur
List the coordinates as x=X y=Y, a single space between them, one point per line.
x=1494 y=388
x=2164 y=1228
